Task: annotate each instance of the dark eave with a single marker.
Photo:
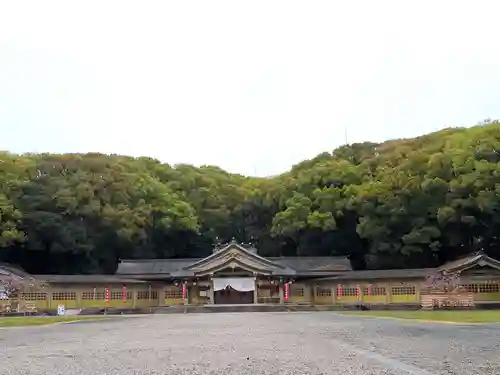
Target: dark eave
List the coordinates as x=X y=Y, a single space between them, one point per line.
x=381 y=274
x=148 y=276
x=88 y=279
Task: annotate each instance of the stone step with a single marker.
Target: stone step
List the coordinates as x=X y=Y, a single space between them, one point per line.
x=279 y=308
x=288 y=307
x=238 y=308
x=115 y=311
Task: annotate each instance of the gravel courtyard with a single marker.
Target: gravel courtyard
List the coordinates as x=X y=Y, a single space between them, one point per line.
x=251 y=343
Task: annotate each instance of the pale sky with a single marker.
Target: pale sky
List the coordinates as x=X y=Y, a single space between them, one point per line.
x=250 y=86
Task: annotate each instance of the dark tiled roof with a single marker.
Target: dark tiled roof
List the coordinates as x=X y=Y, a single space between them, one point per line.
x=153 y=266
x=314 y=263
x=169 y=266
x=382 y=274
x=83 y=279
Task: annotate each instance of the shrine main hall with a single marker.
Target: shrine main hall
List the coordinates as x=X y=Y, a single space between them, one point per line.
x=236 y=274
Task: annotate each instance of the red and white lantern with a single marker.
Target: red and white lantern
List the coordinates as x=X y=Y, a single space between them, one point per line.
x=287 y=291
x=369 y=289
x=184 y=291
x=124 y=294
x=339 y=291
x=107 y=295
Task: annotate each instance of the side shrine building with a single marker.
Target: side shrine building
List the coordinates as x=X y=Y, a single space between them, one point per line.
x=235 y=274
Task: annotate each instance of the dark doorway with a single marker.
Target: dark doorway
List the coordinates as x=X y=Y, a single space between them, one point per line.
x=230 y=296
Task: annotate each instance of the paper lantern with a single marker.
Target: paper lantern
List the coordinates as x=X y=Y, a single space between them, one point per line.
x=184 y=291
x=287 y=291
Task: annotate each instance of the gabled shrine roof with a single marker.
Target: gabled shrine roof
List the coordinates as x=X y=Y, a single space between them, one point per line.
x=468 y=261
x=321 y=266
x=9 y=270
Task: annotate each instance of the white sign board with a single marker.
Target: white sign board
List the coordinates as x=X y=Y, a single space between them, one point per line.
x=61 y=310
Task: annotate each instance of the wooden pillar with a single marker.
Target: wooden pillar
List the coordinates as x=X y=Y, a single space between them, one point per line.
x=186 y=299
x=78 y=301
x=161 y=295
x=256 y=292
x=134 y=297
x=307 y=292
x=211 y=292
x=49 y=298
x=388 y=293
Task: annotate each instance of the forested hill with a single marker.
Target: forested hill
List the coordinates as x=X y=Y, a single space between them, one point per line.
x=402 y=203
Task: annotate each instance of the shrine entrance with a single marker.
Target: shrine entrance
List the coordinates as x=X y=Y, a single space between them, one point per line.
x=230 y=296
x=234 y=290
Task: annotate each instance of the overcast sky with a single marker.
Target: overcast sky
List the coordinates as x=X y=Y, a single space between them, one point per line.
x=251 y=86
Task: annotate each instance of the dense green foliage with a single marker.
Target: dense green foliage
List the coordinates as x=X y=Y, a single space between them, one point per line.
x=402 y=203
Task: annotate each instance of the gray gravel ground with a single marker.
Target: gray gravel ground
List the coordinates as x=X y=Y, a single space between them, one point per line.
x=249 y=344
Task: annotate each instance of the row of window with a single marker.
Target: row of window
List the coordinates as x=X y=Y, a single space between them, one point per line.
x=101 y=295
x=403 y=290
x=114 y=295
x=395 y=291
x=482 y=288
x=71 y=296
x=296 y=291
x=147 y=295
x=351 y=291
x=374 y=291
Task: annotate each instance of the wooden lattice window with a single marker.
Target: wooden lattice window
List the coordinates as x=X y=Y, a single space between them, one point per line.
x=297 y=291
x=471 y=288
x=36 y=296
x=403 y=290
x=349 y=291
x=92 y=295
x=374 y=291
x=147 y=295
x=482 y=288
x=119 y=295
x=174 y=293
x=64 y=296
x=323 y=292
x=489 y=288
